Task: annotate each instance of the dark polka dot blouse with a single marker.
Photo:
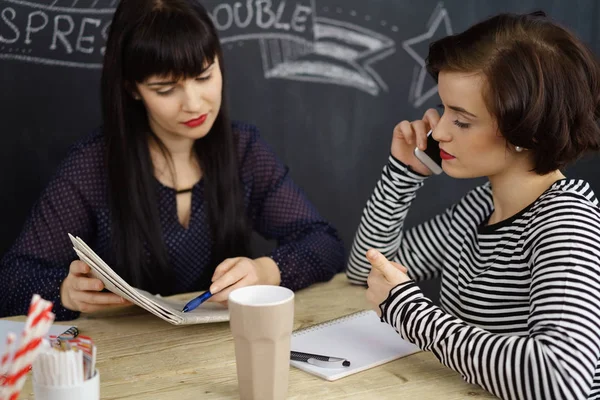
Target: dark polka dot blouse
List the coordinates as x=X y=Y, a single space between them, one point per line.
x=75 y=201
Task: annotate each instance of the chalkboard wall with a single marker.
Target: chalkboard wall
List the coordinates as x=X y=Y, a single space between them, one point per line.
x=324 y=80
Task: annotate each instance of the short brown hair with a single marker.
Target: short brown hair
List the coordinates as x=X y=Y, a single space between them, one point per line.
x=543 y=83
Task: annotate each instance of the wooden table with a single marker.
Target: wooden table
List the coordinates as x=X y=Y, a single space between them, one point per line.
x=142 y=357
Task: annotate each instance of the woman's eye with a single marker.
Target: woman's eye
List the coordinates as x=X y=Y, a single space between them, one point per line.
x=462 y=125
x=203 y=78
x=164 y=92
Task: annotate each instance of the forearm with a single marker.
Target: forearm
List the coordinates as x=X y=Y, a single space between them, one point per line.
x=538 y=366
x=315 y=256
x=20 y=279
x=383 y=218
x=270 y=273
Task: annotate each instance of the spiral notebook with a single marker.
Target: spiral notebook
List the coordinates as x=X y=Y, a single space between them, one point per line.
x=360 y=338
x=166 y=309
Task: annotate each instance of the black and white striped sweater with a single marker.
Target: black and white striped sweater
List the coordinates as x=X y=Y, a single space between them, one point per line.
x=520 y=299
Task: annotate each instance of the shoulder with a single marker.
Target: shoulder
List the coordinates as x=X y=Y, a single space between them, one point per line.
x=245 y=134
x=252 y=148
x=258 y=164
x=84 y=167
x=477 y=201
x=85 y=155
x=568 y=211
x=481 y=192
x=568 y=197
x=564 y=230
x=575 y=191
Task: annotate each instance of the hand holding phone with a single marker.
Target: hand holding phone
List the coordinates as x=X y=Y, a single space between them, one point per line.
x=411 y=134
x=430 y=157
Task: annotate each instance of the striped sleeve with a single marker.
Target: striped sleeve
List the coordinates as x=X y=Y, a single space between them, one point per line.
x=557 y=359
x=381 y=227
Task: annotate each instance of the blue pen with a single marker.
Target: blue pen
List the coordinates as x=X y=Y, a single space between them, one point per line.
x=194 y=303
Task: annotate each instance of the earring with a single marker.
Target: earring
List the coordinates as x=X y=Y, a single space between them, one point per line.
x=518 y=149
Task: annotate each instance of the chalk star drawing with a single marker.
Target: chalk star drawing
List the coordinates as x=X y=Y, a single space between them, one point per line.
x=416 y=95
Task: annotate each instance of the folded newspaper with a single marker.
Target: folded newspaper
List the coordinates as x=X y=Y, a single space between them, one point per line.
x=169 y=310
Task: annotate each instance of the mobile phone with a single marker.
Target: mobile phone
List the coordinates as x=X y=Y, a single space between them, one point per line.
x=431 y=156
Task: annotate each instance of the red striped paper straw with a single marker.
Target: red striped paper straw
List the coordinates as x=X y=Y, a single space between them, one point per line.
x=10 y=342
x=17 y=365
x=41 y=320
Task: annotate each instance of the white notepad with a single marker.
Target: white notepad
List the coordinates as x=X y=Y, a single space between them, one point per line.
x=169 y=310
x=360 y=338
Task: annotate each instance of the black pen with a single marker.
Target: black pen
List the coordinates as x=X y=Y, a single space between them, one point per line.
x=319 y=360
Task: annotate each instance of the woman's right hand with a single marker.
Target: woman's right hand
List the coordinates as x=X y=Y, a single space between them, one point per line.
x=408 y=135
x=80 y=291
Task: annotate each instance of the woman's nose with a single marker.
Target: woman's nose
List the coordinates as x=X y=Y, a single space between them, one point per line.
x=192 y=101
x=441 y=133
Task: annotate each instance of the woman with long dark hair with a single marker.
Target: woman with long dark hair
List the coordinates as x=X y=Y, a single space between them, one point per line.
x=169 y=190
x=518 y=257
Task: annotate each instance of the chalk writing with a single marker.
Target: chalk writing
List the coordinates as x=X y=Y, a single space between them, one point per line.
x=294 y=43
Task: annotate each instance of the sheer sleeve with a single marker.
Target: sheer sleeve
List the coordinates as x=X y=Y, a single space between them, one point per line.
x=39 y=260
x=308 y=247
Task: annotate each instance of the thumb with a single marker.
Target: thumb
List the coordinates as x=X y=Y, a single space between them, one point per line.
x=400 y=267
x=381 y=264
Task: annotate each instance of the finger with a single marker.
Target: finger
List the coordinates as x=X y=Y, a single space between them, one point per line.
x=224 y=267
x=223 y=295
x=381 y=264
x=431 y=118
x=398 y=129
x=233 y=275
x=405 y=131
x=420 y=130
x=84 y=284
x=79 y=268
x=400 y=267
x=97 y=298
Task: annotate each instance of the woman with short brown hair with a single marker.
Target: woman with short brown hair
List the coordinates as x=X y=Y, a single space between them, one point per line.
x=519 y=257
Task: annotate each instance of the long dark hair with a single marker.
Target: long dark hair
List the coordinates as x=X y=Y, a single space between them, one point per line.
x=173 y=38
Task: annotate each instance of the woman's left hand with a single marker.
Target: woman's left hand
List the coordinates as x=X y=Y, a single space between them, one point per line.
x=238 y=272
x=384 y=276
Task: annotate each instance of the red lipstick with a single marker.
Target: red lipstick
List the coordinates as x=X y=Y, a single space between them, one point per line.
x=446 y=156
x=192 y=123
